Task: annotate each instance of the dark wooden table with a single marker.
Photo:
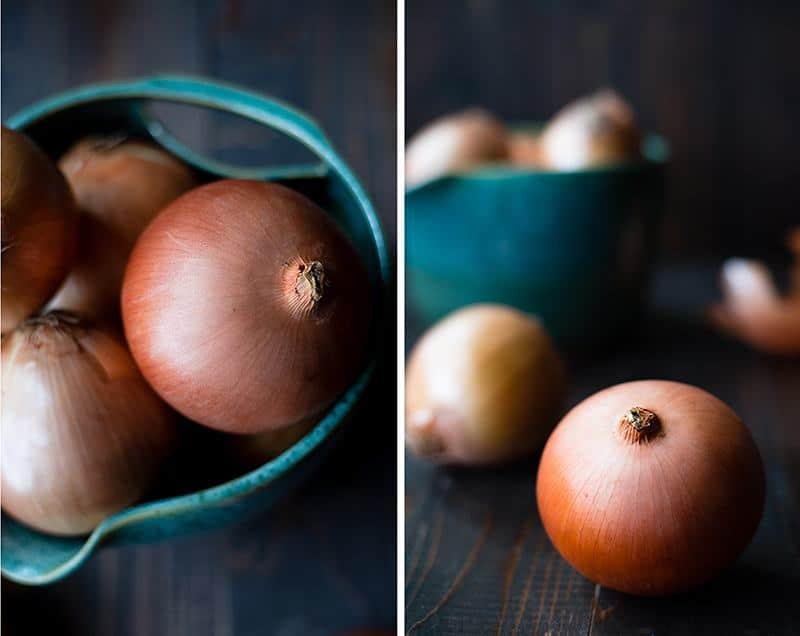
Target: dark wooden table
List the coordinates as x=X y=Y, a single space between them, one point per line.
x=479 y=562
x=325 y=560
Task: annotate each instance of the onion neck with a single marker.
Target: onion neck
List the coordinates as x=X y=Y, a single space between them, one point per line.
x=639 y=425
x=305 y=284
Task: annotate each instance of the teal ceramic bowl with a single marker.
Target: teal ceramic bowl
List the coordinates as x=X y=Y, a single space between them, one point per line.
x=572 y=247
x=34 y=558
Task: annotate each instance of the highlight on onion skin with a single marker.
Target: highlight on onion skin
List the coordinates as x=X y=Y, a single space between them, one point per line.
x=753 y=311
x=596 y=130
x=121 y=185
x=83 y=435
x=39 y=228
x=454 y=143
x=483 y=386
x=245 y=306
x=650 y=487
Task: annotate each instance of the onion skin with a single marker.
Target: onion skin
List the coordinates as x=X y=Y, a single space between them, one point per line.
x=83 y=434
x=93 y=285
x=483 y=386
x=121 y=185
x=524 y=149
x=219 y=306
x=655 y=512
x=754 y=312
x=454 y=143
x=39 y=228
x=124 y=183
x=596 y=130
x=251 y=451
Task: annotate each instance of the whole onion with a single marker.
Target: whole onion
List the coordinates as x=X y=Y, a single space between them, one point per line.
x=454 y=143
x=120 y=185
x=245 y=306
x=83 y=435
x=39 y=228
x=484 y=385
x=650 y=487
x=595 y=130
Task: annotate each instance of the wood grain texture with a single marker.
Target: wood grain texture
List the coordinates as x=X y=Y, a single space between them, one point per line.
x=520 y=585
x=718 y=79
x=324 y=561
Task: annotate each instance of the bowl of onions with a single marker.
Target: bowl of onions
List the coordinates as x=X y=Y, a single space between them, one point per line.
x=182 y=337
x=557 y=220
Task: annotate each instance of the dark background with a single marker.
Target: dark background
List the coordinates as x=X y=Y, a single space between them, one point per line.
x=720 y=80
x=325 y=560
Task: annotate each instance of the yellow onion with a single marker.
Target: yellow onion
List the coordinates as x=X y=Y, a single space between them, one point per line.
x=650 y=487
x=83 y=434
x=595 y=130
x=484 y=385
x=246 y=307
x=120 y=185
x=754 y=312
x=454 y=143
x=39 y=228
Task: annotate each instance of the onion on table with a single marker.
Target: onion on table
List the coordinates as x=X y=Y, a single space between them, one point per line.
x=483 y=386
x=39 y=228
x=83 y=434
x=246 y=307
x=120 y=186
x=650 y=487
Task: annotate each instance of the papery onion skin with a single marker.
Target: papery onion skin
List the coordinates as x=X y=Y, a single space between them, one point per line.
x=219 y=306
x=483 y=386
x=595 y=130
x=93 y=284
x=120 y=185
x=83 y=435
x=655 y=512
x=124 y=182
x=39 y=228
x=454 y=143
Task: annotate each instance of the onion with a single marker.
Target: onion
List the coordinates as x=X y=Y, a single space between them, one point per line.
x=83 y=434
x=595 y=130
x=93 y=285
x=124 y=183
x=484 y=385
x=251 y=451
x=754 y=311
x=650 y=487
x=245 y=306
x=524 y=149
x=120 y=185
x=39 y=228
x=454 y=143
